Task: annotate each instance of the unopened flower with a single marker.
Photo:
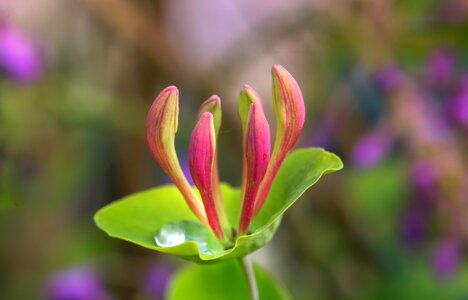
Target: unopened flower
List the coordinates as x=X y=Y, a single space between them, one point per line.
x=201 y=160
x=256 y=157
x=260 y=165
x=161 y=128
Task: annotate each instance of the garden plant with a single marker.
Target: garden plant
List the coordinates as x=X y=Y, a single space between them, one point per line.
x=212 y=223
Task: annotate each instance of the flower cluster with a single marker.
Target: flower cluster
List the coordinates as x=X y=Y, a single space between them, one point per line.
x=260 y=162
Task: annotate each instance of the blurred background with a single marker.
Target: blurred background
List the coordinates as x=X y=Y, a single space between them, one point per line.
x=386 y=87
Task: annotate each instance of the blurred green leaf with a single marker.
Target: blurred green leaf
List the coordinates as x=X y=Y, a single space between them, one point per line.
x=376 y=200
x=162 y=212
x=222 y=281
x=417 y=281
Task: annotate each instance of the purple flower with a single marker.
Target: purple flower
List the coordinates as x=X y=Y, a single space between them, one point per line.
x=446 y=258
x=371 y=148
x=413 y=227
x=424 y=177
x=157 y=280
x=458 y=107
x=389 y=78
x=452 y=11
x=19 y=57
x=77 y=284
x=322 y=136
x=440 y=66
x=185 y=169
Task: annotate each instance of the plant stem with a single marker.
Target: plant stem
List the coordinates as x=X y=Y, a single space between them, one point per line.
x=247 y=266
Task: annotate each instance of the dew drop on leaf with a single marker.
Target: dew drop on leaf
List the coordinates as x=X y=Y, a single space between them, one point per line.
x=179 y=232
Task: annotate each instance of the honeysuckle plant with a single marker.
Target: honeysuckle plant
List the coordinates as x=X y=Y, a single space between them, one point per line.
x=213 y=221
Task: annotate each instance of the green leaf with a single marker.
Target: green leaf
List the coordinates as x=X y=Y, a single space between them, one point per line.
x=162 y=214
x=301 y=169
x=222 y=281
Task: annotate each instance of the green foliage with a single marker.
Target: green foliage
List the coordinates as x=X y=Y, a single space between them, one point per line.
x=417 y=281
x=222 y=281
x=163 y=212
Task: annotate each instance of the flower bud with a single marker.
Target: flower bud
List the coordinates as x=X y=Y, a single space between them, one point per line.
x=289 y=109
x=213 y=106
x=201 y=160
x=247 y=96
x=256 y=156
x=161 y=127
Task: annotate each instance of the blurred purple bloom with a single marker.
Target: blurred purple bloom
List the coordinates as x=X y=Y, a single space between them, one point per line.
x=452 y=11
x=459 y=105
x=389 y=78
x=371 y=148
x=433 y=126
x=423 y=175
x=157 y=281
x=322 y=136
x=76 y=284
x=440 y=66
x=424 y=178
x=19 y=57
x=446 y=258
x=413 y=227
x=185 y=169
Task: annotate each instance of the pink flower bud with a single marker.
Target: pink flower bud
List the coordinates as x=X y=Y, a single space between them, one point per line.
x=290 y=115
x=213 y=106
x=161 y=127
x=201 y=161
x=256 y=156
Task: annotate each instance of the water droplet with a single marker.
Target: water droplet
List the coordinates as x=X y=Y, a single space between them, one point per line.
x=176 y=233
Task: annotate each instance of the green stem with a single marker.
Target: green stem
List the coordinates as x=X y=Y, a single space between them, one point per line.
x=247 y=266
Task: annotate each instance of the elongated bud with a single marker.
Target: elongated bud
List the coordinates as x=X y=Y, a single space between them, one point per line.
x=201 y=160
x=289 y=108
x=213 y=106
x=256 y=156
x=247 y=96
x=290 y=115
x=161 y=127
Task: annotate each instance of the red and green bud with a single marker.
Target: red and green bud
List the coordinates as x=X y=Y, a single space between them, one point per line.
x=213 y=106
x=247 y=96
x=161 y=127
x=259 y=169
x=201 y=161
x=256 y=159
x=289 y=110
